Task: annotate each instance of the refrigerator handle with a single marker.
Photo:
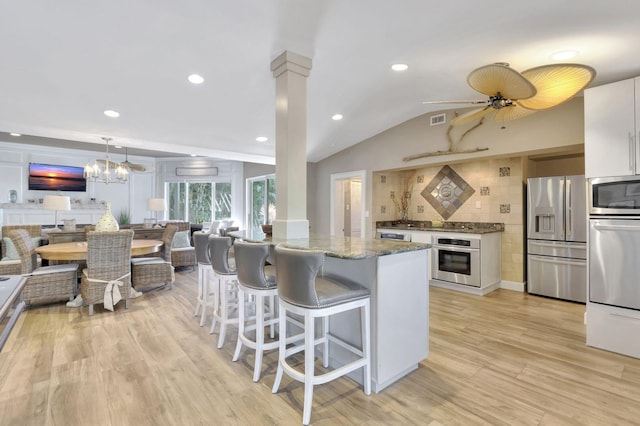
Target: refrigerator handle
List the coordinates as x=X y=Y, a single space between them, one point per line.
x=632 y=153
x=569 y=211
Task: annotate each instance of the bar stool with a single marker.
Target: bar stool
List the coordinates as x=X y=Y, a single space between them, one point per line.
x=226 y=298
x=301 y=291
x=254 y=281
x=207 y=284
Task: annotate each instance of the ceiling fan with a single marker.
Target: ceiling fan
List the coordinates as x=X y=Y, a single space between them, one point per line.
x=514 y=95
x=133 y=167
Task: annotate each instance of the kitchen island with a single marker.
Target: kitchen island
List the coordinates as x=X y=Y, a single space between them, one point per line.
x=397 y=275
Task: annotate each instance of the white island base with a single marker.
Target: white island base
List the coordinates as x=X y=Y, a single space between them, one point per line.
x=399 y=314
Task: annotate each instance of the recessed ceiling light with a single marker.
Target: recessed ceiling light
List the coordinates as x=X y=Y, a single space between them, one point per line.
x=336 y=117
x=111 y=113
x=15 y=134
x=262 y=138
x=195 y=79
x=564 y=54
x=118 y=146
x=194 y=155
x=399 y=67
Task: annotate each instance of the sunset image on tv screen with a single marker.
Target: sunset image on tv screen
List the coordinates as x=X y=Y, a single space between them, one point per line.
x=56 y=178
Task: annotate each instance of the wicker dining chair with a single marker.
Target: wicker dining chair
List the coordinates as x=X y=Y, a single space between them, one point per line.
x=108 y=259
x=153 y=270
x=14 y=266
x=183 y=256
x=44 y=284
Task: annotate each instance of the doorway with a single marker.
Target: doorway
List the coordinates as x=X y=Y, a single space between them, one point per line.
x=347 y=210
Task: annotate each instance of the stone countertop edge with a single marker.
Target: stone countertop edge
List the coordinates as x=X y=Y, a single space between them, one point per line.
x=338 y=247
x=461 y=227
x=440 y=229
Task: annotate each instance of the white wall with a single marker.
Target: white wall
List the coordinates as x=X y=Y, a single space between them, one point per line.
x=227 y=170
x=131 y=196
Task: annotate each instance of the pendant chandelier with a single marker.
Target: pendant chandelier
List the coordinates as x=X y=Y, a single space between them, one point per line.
x=106 y=171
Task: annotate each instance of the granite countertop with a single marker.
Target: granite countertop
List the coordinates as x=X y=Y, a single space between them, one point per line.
x=333 y=246
x=461 y=227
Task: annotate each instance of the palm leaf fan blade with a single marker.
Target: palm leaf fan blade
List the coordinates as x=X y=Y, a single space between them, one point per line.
x=495 y=79
x=472 y=115
x=556 y=84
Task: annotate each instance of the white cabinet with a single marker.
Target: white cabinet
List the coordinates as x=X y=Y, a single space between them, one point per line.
x=611 y=127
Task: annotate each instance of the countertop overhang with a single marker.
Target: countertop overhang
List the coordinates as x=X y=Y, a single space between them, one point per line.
x=334 y=246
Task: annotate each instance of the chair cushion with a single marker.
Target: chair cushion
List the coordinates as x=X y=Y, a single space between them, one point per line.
x=182 y=249
x=333 y=292
x=7 y=261
x=53 y=269
x=11 y=253
x=181 y=240
x=147 y=260
x=215 y=227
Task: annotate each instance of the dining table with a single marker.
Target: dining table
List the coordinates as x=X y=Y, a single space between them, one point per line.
x=78 y=250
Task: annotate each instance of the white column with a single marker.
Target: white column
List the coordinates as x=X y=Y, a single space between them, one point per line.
x=291 y=71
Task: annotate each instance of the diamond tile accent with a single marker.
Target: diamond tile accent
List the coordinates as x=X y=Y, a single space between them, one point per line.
x=505 y=171
x=383 y=179
x=447 y=191
x=484 y=190
x=505 y=208
x=420 y=208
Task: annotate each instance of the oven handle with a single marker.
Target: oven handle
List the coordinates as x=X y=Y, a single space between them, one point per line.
x=456 y=248
x=616 y=227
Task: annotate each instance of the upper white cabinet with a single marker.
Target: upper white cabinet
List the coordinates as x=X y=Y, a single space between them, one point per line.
x=611 y=139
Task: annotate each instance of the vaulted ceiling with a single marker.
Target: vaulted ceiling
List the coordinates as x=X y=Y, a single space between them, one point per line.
x=65 y=62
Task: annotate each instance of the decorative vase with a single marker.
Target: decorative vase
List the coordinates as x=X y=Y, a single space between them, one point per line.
x=107 y=222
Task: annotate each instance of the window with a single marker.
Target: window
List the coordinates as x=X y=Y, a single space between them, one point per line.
x=261 y=200
x=198 y=202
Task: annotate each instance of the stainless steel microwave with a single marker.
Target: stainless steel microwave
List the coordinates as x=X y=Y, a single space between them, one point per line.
x=614 y=195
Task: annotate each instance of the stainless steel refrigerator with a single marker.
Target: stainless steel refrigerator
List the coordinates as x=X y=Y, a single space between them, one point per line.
x=557 y=237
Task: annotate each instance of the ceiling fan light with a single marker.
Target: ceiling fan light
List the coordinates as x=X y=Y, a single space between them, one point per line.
x=556 y=84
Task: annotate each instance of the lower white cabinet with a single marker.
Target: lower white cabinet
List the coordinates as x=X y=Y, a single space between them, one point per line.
x=613 y=329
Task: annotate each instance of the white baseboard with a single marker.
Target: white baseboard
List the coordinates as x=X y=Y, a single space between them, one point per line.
x=512 y=285
x=465 y=288
x=506 y=285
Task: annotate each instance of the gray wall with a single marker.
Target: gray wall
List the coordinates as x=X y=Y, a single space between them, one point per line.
x=556 y=130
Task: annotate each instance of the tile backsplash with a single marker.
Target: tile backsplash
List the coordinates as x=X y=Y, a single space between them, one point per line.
x=499 y=198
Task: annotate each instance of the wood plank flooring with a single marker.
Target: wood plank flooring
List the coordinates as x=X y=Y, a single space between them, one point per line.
x=504 y=359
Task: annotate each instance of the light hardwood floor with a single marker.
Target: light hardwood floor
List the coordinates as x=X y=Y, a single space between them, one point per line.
x=504 y=359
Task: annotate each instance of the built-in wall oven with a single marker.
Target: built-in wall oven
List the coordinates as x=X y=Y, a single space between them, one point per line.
x=614 y=241
x=456 y=260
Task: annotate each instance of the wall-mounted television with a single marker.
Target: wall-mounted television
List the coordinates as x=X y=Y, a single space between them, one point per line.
x=49 y=177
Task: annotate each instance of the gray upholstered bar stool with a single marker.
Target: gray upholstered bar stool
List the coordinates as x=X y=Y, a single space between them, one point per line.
x=207 y=283
x=301 y=291
x=226 y=299
x=254 y=281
